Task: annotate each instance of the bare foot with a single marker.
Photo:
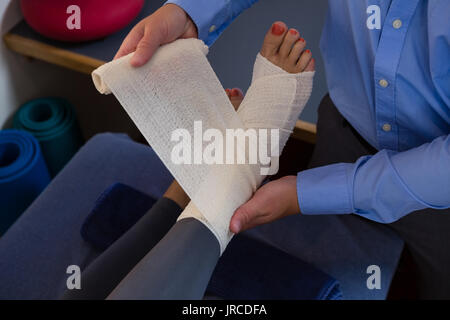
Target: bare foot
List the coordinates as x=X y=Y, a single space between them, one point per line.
x=236 y=96
x=285 y=48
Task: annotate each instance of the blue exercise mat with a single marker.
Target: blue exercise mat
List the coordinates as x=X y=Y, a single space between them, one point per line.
x=23 y=174
x=53 y=122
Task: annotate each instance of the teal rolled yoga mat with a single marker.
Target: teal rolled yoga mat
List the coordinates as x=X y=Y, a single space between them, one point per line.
x=53 y=122
x=23 y=174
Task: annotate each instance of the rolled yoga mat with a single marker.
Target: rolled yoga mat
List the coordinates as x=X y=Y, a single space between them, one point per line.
x=53 y=122
x=23 y=174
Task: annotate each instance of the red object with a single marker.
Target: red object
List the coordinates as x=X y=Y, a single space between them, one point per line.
x=277 y=29
x=58 y=19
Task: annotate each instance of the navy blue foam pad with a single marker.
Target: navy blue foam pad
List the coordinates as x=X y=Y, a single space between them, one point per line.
x=250 y=269
x=117 y=209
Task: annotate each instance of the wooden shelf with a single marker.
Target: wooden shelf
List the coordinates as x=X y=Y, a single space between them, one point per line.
x=86 y=57
x=42 y=51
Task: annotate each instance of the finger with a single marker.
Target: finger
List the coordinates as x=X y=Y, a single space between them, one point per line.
x=146 y=47
x=130 y=43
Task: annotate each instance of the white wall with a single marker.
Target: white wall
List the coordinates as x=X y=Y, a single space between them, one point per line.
x=7 y=97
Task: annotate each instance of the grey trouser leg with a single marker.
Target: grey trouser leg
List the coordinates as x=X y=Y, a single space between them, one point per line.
x=107 y=270
x=178 y=267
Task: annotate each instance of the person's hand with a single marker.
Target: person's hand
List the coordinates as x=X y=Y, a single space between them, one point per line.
x=167 y=24
x=271 y=202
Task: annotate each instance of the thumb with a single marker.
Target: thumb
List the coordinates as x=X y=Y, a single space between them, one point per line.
x=244 y=217
x=146 y=47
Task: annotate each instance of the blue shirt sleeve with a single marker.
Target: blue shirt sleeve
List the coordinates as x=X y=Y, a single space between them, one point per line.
x=212 y=16
x=383 y=187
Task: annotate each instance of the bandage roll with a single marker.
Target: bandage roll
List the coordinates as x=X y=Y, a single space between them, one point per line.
x=53 y=122
x=178 y=88
x=23 y=174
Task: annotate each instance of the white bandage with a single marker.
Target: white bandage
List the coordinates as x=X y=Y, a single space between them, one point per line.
x=177 y=88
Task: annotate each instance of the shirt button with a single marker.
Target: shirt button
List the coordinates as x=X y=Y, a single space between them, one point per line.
x=386 y=127
x=212 y=28
x=383 y=83
x=397 y=24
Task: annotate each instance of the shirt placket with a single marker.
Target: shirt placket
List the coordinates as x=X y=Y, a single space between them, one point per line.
x=387 y=59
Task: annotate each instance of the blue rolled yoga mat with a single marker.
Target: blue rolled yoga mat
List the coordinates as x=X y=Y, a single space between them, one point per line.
x=53 y=122
x=23 y=174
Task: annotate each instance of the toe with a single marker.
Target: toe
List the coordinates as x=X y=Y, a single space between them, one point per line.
x=304 y=60
x=273 y=39
x=296 y=52
x=289 y=39
x=236 y=93
x=236 y=97
x=311 y=65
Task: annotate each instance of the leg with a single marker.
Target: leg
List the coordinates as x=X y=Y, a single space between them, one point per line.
x=99 y=279
x=426 y=233
x=105 y=272
x=179 y=266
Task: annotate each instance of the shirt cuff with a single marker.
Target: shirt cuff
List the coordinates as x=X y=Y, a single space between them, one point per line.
x=326 y=190
x=210 y=16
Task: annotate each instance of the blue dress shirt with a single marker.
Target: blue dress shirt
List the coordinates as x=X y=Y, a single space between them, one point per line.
x=391 y=81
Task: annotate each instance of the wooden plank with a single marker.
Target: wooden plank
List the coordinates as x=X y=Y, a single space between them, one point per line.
x=304 y=131
x=64 y=58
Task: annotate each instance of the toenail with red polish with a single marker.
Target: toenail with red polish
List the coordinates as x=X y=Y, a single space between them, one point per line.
x=301 y=39
x=308 y=51
x=234 y=93
x=277 y=29
x=293 y=32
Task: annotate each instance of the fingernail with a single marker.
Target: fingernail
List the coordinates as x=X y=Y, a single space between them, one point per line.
x=277 y=29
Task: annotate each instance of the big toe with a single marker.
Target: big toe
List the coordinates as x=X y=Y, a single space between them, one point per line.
x=273 y=39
